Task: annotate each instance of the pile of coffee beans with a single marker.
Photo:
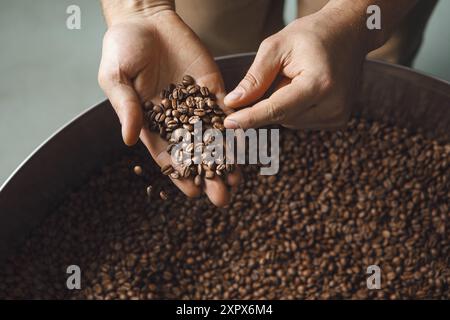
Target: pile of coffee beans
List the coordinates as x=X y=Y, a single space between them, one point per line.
x=369 y=195
x=182 y=106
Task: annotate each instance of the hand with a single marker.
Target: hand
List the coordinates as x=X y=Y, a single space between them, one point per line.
x=141 y=56
x=319 y=65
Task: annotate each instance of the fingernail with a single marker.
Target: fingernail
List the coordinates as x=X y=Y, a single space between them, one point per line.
x=231 y=124
x=234 y=95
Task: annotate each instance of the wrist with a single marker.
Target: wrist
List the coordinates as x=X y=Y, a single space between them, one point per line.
x=117 y=11
x=347 y=21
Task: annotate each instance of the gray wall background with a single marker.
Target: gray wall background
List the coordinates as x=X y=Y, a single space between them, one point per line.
x=48 y=74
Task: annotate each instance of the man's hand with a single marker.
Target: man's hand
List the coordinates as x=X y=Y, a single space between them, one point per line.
x=318 y=59
x=142 y=54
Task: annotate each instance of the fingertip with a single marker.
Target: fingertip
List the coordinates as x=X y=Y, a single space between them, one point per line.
x=232 y=99
x=230 y=123
x=221 y=202
x=130 y=135
x=191 y=192
x=234 y=179
x=217 y=192
x=131 y=125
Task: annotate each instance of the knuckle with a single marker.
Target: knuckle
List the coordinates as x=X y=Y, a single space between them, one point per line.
x=268 y=45
x=108 y=76
x=102 y=78
x=250 y=81
x=326 y=84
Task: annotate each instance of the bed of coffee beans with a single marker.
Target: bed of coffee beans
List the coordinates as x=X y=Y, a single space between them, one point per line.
x=182 y=106
x=371 y=194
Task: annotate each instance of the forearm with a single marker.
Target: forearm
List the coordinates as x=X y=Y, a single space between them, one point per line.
x=351 y=16
x=116 y=11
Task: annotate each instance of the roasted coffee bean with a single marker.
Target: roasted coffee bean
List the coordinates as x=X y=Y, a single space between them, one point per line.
x=148 y=105
x=176 y=94
x=166 y=103
x=149 y=191
x=172 y=124
x=167 y=169
x=174 y=104
x=175 y=175
x=199 y=112
x=163 y=94
x=137 y=170
x=176 y=114
x=193 y=89
x=185 y=172
x=216 y=119
x=210 y=102
x=199 y=169
x=163 y=195
x=188 y=80
x=190 y=102
x=157 y=109
x=160 y=117
x=184 y=118
x=194 y=119
x=218 y=126
x=218 y=111
x=204 y=91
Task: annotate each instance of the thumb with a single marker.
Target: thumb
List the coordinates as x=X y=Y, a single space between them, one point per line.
x=126 y=103
x=258 y=79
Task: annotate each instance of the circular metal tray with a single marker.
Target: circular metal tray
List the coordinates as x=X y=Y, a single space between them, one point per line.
x=393 y=94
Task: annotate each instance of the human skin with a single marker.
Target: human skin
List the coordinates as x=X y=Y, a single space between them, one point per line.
x=146 y=47
x=319 y=59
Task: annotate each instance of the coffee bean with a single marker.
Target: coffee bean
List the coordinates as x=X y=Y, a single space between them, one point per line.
x=166 y=103
x=149 y=191
x=185 y=171
x=193 y=89
x=167 y=169
x=194 y=119
x=175 y=175
x=199 y=112
x=204 y=91
x=163 y=195
x=148 y=105
x=188 y=80
x=137 y=170
x=218 y=126
x=157 y=109
x=216 y=119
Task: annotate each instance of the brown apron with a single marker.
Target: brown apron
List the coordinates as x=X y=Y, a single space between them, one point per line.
x=235 y=26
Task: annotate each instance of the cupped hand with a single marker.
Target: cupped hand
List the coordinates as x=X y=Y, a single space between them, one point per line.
x=141 y=56
x=317 y=66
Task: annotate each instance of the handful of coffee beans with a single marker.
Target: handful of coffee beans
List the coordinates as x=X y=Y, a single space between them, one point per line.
x=182 y=106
